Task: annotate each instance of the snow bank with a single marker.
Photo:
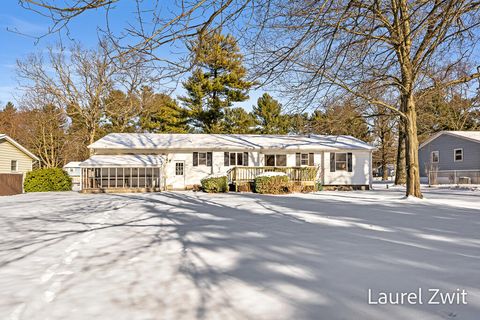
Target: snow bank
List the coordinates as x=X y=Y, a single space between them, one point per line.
x=271 y=174
x=216 y=175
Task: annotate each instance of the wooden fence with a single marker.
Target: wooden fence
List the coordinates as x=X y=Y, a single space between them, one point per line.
x=295 y=174
x=11 y=183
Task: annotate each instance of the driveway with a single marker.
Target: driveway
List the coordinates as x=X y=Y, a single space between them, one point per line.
x=186 y=255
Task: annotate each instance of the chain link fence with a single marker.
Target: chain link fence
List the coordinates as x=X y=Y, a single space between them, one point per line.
x=436 y=177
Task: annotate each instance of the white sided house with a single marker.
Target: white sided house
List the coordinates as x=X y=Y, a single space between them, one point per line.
x=154 y=162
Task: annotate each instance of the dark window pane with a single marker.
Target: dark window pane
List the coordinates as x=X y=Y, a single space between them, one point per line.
x=232 y=159
x=240 y=159
x=281 y=160
x=226 y=159
x=270 y=160
x=341 y=165
x=341 y=157
x=202 y=158
x=195 y=159
x=332 y=162
x=311 y=161
x=209 y=158
x=245 y=159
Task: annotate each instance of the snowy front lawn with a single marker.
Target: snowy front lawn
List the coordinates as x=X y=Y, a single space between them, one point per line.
x=188 y=255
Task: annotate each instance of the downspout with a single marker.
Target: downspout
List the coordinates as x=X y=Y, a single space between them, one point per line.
x=370 y=184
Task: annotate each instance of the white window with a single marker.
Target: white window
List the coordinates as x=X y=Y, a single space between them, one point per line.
x=304 y=159
x=276 y=160
x=236 y=159
x=340 y=161
x=179 y=168
x=435 y=156
x=202 y=158
x=458 y=155
x=14 y=165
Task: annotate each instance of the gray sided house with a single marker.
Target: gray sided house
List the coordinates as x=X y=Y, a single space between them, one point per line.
x=154 y=162
x=452 y=156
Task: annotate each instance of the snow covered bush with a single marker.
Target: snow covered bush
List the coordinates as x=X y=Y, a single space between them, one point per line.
x=47 y=179
x=215 y=184
x=272 y=183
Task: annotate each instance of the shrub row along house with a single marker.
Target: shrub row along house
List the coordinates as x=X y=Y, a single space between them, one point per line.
x=154 y=162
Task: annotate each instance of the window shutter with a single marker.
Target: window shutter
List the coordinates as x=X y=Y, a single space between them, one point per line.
x=240 y=159
x=332 y=161
x=310 y=159
x=245 y=159
x=297 y=160
x=349 y=162
x=226 y=159
x=195 y=159
x=209 y=159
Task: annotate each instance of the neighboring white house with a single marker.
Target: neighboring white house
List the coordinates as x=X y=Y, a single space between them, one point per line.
x=74 y=171
x=180 y=161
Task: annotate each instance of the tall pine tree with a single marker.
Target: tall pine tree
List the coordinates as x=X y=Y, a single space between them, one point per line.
x=237 y=120
x=161 y=114
x=269 y=117
x=219 y=80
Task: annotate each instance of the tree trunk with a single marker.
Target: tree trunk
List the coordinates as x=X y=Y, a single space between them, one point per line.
x=411 y=149
x=91 y=139
x=400 y=177
x=384 y=166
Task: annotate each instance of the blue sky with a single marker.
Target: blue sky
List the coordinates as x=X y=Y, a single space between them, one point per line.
x=14 y=18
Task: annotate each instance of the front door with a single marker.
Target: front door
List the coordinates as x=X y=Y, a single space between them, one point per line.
x=178 y=175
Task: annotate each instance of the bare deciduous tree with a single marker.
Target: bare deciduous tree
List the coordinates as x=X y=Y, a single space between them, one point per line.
x=361 y=47
x=81 y=82
x=316 y=48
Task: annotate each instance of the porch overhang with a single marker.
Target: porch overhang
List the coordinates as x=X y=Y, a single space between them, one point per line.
x=125 y=161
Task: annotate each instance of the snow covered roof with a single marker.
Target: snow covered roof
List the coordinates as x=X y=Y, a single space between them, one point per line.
x=72 y=164
x=18 y=146
x=138 y=160
x=469 y=135
x=227 y=142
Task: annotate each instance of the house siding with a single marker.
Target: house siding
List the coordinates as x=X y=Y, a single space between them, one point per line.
x=445 y=145
x=194 y=174
x=360 y=175
x=9 y=152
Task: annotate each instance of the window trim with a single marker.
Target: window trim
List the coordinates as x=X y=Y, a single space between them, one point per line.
x=455 y=155
x=438 y=156
x=208 y=159
x=16 y=165
x=304 y=159
x=275 y=156
x=348 y=161
x=237 y=155
x=200 y=154
x=179 y=165
x=341 y=161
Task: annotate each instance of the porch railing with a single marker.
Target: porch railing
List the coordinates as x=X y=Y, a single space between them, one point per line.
x=295 y=174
